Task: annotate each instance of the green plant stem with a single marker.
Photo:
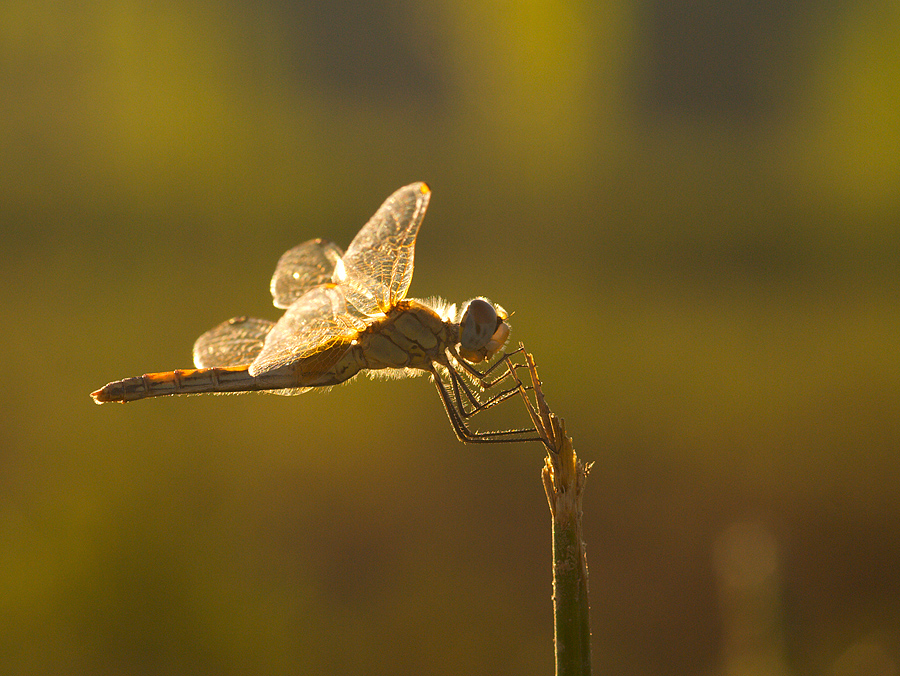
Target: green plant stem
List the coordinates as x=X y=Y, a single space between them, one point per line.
x=564 y=476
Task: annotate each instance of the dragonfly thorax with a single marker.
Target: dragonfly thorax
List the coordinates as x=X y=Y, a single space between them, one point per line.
x=411 y=335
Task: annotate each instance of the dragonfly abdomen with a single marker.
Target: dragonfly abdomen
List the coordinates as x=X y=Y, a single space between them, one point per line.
x=193 y=381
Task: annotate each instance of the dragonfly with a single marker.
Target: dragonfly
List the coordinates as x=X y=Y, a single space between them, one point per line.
x=346 y=313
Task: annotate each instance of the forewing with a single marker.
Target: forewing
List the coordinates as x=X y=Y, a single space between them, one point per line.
x=315 y=322
x=301 y=268
x=378 y=266
x=233 y=343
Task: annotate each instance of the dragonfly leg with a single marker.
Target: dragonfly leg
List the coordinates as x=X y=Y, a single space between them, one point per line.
x=458 y=413
x=476 y=402
x=482 y=376
x=483 y=380
x=512 y=371
x=473 y=402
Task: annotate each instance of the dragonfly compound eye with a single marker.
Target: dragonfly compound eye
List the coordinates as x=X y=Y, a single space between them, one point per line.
x=479 y=322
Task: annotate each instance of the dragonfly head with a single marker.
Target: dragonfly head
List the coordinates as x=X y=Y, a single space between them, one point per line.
x=482 y=330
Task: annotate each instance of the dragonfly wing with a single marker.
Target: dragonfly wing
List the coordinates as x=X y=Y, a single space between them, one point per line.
x=315 y=322
x=303 y=267
x=233 y=343
x=376 y=270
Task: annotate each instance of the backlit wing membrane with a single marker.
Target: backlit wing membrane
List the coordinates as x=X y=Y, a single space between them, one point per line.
x=376 y=270
x=315 y=322
x=233 y=343
x=300 y=269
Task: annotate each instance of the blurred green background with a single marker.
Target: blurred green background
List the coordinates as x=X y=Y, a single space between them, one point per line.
x=692 y=209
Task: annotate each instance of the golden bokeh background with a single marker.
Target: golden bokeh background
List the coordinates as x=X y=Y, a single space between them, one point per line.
x=692 y=209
